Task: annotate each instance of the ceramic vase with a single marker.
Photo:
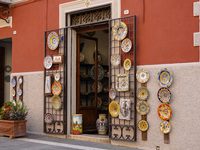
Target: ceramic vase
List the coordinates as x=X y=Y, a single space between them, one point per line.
x=102 y=124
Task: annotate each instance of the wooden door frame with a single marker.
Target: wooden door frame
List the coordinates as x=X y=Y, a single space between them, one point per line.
x=2 y=52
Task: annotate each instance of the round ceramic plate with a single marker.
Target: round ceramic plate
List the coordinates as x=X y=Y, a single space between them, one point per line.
x=19 y=103
x=127 y=64
x=20 y=80
x=112 y=93
x=115 y=59
x=56 y=88
x=142 y=107
x=99 y=102
x=143 y=125
x=120 y=31
x=48 y=118
x=13 y=92
x=56 y=102
x=114 y=109
x=164 y=77
x=19 y=91
x=7 y=69
x=13 y=82
x=142 y=75
x=48 y=62
x=100 y=72
x=164 y=111
x=14 y=103
x=165 y=127
x=53 y=40
x=99 y=56
x=7 y=78
x=164 y=95
x=82 y=57
x=57 y=76
x=126 y=45
x=142 y=93
x=99 y=87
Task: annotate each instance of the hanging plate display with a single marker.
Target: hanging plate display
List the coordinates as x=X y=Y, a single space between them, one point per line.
x=19 y=103
x=143 y=125
x=142 y=75
x=56 y=102
x=48 y=118
x=127 y=64
x=99 y=87
x=57 y=77
x=53 y=40
x=19 y=91
x=13 y=92
x=99 y=102
x=142 y=93
x=164 y=77
x=142 y=107
x=114 y=109
x=164 y=95
x=126 y=45
x=165 y=111
x=14 y=103
x=56 y=88
x=20 y=80
x=48 y=62
x=100 y=72
x=112 y=93
x=82 y=57
x=122 y=82
x=13 y=82
x=99 y=56
x=120 y=31
x=165 y=127
x=115 y=59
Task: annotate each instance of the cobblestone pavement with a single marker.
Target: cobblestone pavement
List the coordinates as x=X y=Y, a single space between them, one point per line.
x=43 y=142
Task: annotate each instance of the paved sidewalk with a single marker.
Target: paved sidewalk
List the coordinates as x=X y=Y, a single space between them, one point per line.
x=43 y=142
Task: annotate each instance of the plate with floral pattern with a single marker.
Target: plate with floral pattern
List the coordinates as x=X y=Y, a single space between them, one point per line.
x=48 y=62
x=115 y=59
x=56 y=102
x=143 y=125
x=164 y=77
x=99 y=87
x=165 y=126
x=13 y=82
x=13 y=92
x=127 y=64
x=164 y=95
x=142 y=107
x=126 y=45
x=122 y=82
x=112 y=93
x=142 y=75
x=48 y=118
x=53 y=40
x=20 y=80
x=120 y=31
x=100 y=72
x=164 y=111
x=57 y=76
x=56 y=88
x=142 y=93
x=19 y=91
x=114 y=109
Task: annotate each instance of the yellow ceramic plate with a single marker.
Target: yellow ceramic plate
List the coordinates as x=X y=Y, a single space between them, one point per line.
x=19 y=103
x=164 y=77
x=120 y=31
x=142 y=75
x=56 y=102
x=127 y=64
x=13 y=92
x=143 y=125
x=142 y=93
x=165 y=127
x=114 y=109
x=142 y=107
x=56 y=88
x=53 y=40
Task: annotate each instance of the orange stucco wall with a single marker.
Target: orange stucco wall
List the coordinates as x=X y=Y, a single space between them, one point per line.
x=164 y=31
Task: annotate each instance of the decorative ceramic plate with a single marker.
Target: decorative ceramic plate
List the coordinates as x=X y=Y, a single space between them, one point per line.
x=164 y=111
x=57 y=76
x=120 y=31
x=19 y=91
x=165 y=126
x=142 y=75
x=8 y=68
x=13 y=92
x=48 y=62
x=126 y=45
x=127 y=64
x=164 y=77
x=13 y=82
x=100 y=72
x=53 y=40
x=56 y=102
x=142 y=93
x=48 y=118
x=114 y=109
x=112 y=93
x=19 y=103
x=142 y=107
x=82 y=57
x=99 y=56
x=164 y=95
x=143 y=125
x=115 y=59
x=122 y=82
x=14 y=103
x=7 y=78
x=99 y=102
x=99 y=87
x=20 y=80
x=56 y=88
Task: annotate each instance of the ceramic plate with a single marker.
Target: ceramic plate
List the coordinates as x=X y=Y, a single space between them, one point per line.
x=99 y=56
x=48 y=62
x=126 y=45
x=164 y=95
x=19 y=91
x=56 y=102
x=142 y=93
x=14 y=103
x=112 y=93
x=13 y=92
x=53 y=40
x=142 y=107
x=99 y=102
x=114 y=109
x=122 y=82
x=20 y=80
x=100 y=72
x=56 y=88
x=142 y=75
x=120 y=31
x=19 y=103
x=82 y=57
x=7 y=78
x=165 y=127
x=115 y=59
x=13 y=82
x=127 y=64
x=48 y=118
x=143 y=125
x=99 y=87
x=57 y=76
x=164 y=111
x=164 y=77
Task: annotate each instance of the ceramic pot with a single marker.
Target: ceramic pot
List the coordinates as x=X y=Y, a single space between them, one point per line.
x=102 y=124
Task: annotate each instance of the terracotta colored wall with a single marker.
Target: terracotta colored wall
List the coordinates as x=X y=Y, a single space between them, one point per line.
x=164 y=30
